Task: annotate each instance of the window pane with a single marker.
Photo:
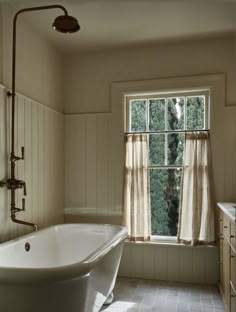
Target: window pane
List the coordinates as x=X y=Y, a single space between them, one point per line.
x=195 y=112
x=157 y=149
x=156 y=114
x=175 y=148
x=138 y=115
x=176 y=113
x=164 y=194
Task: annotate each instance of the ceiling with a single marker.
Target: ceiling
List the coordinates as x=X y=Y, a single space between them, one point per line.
x=117 y=23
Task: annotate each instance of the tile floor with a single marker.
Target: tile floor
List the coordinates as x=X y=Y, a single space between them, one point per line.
x=136 y=295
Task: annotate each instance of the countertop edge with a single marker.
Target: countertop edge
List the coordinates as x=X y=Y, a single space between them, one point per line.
x=227 y=207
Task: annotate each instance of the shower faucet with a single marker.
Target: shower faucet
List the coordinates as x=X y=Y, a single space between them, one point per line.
x=13 y=184
x=64 y=24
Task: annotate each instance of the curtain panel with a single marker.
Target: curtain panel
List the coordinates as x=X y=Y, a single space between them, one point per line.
x=136 y=206
x=196 y=211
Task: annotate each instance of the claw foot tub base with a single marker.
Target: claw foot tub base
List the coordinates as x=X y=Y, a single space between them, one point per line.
x=69 y=267
x=109 y=299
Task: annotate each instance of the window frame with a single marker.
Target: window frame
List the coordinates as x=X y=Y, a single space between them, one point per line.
x=165 y=95
x=160 y=95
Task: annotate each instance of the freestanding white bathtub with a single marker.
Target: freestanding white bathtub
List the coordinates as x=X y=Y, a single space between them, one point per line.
x=63 y=268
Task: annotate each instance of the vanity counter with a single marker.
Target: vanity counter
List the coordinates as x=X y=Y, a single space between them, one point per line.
x=229 y=209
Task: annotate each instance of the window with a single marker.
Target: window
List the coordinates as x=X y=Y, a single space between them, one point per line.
x=165 y=118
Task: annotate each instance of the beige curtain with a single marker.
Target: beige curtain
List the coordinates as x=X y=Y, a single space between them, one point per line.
x=196 y=213
x=136 y=210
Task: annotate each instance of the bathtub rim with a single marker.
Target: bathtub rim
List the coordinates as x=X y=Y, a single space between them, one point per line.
x=63 y=272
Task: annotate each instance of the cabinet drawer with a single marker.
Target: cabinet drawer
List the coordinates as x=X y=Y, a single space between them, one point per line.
x=220 y=219
x=220 y=226
x=226 y=228
x=226 y=272
x=232 y=303
x=233 y=268
x=232 y=300
x=233 y=235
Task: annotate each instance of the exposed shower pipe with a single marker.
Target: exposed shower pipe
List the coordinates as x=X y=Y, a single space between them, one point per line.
x=64 y=24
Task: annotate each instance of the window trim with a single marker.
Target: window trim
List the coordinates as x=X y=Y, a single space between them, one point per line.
x=215 y=83
x=160 y=95
x=164 y=239
x=165 y=96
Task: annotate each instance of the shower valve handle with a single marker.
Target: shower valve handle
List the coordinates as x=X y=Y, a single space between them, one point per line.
x=22 y=152
x=24 y=189
x=23 y=204
x=15 y=158
x=15 y=209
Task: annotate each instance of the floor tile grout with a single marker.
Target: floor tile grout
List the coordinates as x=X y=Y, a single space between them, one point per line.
x=138 y=295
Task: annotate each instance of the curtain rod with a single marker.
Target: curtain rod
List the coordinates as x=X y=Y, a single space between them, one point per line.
x=167 y=131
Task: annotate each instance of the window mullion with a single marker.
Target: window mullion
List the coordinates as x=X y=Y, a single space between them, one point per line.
x=130 y=116
x=185 y=113
x=166 y=128
x=147 y=124
x=206 y=112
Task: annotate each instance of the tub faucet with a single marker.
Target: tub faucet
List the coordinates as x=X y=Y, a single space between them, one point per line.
x=13 y=184
x=65 y=24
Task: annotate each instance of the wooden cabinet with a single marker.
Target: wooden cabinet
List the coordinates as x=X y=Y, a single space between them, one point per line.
x=225 y=262
x=232 y=267
x=233 y=236
x=227 y=243
x=232 y=299
x=221 y=242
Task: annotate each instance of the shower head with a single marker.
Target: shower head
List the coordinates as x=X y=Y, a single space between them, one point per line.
x=66 y=24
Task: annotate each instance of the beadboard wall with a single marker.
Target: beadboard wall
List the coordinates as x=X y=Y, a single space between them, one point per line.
x=229 y=130
x=94 y=198
x=90 y=193
x=170 y=263
x=41 y=131
x=93 y=186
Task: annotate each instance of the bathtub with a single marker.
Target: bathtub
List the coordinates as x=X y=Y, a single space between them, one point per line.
x=63 y=268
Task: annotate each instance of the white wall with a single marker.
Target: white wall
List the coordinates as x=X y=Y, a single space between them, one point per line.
x=94 y=151
x=1 y=43
x=170 y=263
x=89 y=175
x=39 y=66
x=89 y=76
x=39 y=126
x=41 y=131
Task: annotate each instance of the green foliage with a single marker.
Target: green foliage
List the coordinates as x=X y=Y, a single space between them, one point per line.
x=159 y=207
x=157 y=149
x=165 y=182
x=157 y=114
x=195 y=113
x=138 y=113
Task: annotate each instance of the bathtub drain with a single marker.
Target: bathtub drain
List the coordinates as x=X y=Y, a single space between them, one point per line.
x=27 y=246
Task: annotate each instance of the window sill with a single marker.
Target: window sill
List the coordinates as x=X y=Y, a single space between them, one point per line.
x=160 y=240
x=165 y=241
x=154 y=242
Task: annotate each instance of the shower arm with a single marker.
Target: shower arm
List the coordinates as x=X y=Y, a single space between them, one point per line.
x=56 y=6
x=12 y=183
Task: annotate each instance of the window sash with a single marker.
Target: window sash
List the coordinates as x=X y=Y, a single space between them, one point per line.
x=166 y=131
x=165 y=96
